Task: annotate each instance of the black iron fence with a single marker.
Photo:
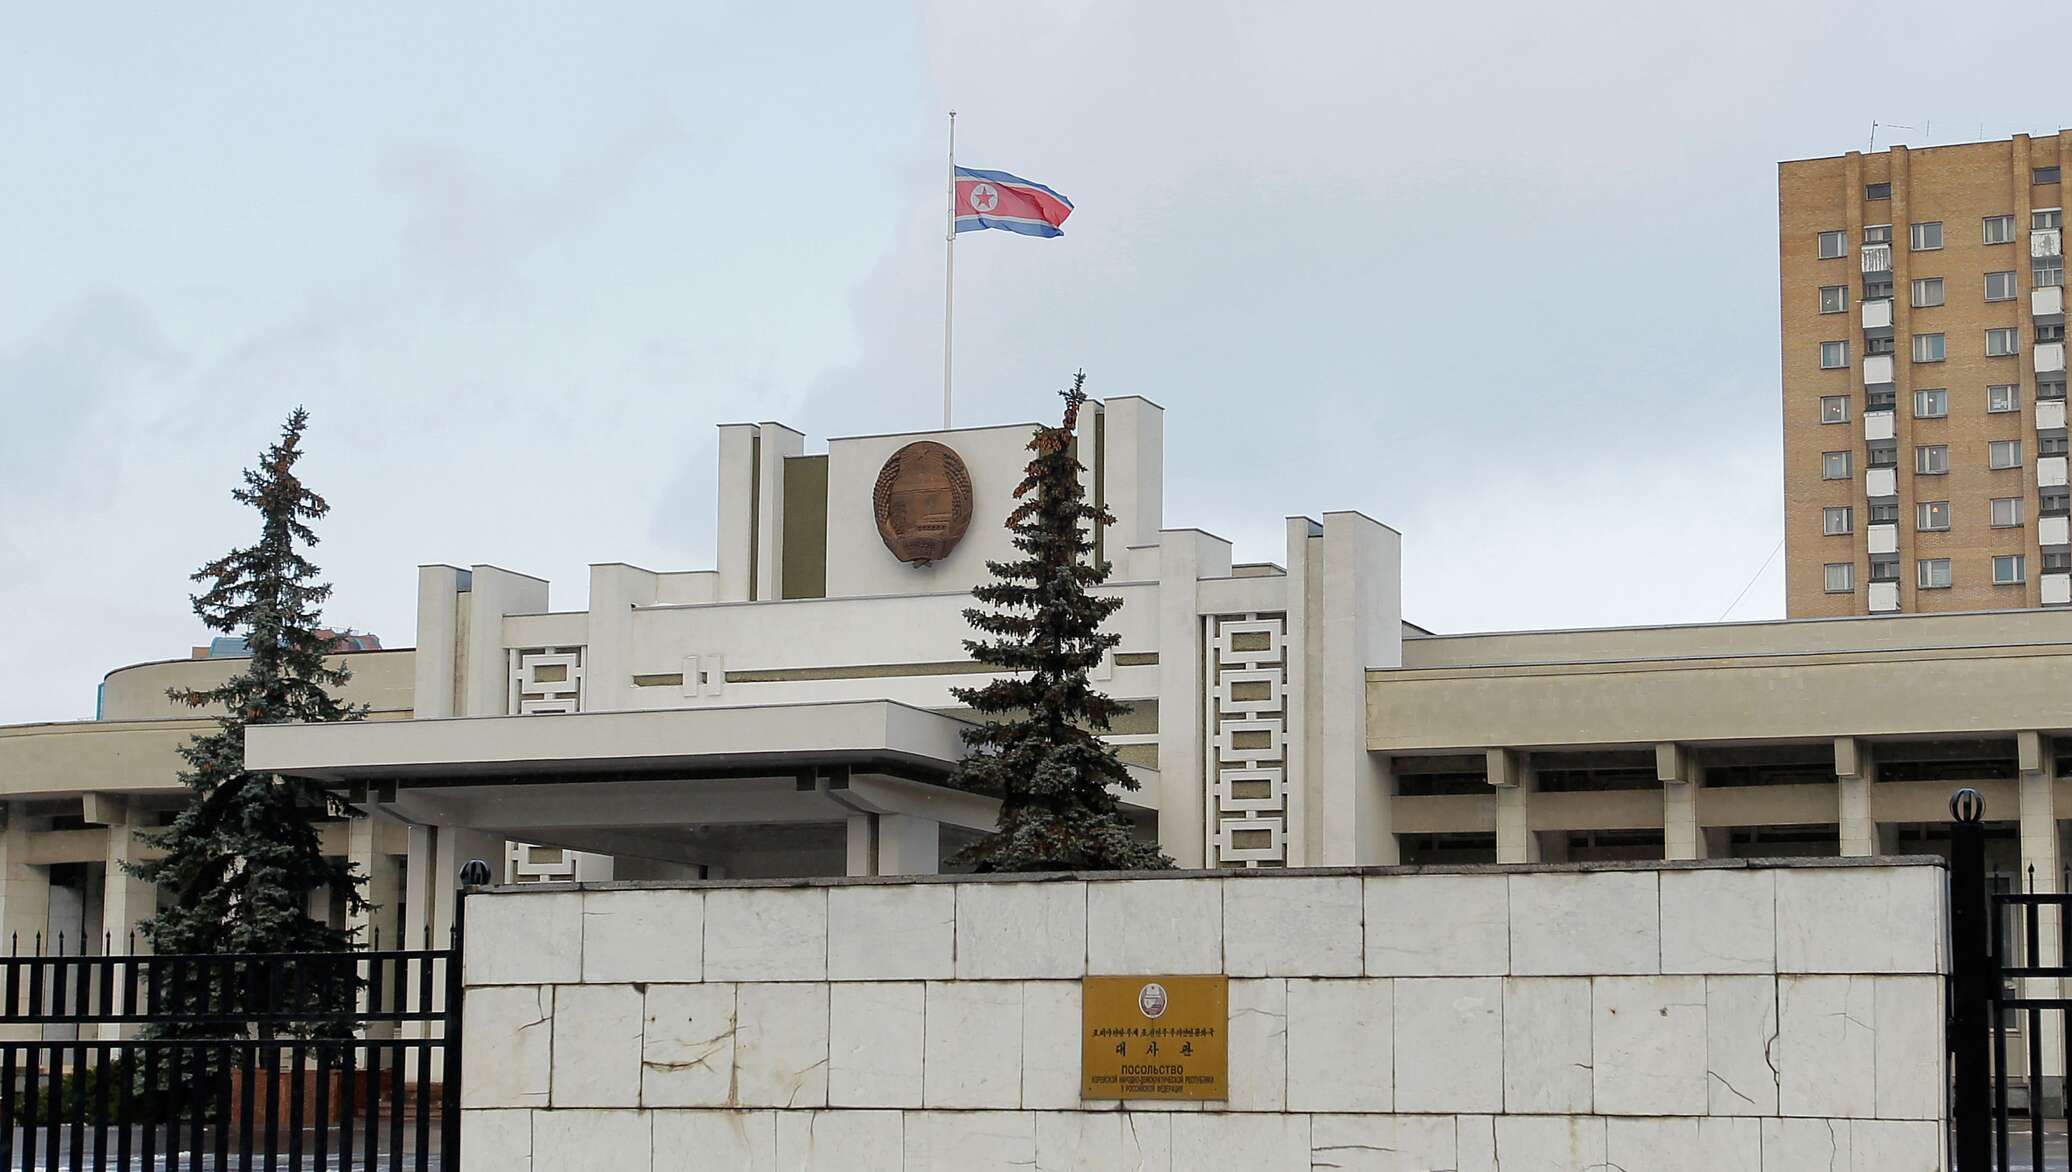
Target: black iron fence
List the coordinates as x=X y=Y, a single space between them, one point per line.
x=343 y=1060
x=1997 y=931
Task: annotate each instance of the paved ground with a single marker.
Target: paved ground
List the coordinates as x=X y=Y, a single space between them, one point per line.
x=2018 y=1148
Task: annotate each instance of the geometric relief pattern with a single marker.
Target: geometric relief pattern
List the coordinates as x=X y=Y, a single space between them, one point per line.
x=539 y=864
x=1248 y=740
x=546 y=679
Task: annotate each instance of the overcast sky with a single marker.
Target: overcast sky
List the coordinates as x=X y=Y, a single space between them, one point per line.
x=1500 y=275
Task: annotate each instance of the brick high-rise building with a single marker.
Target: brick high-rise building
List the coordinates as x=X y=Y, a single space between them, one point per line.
x=1923 y=317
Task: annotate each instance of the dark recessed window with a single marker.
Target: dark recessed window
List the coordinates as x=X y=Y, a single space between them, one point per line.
x=2043 y=175
x=1877 y=191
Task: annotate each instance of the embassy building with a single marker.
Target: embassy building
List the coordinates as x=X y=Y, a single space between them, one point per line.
x=788 y=712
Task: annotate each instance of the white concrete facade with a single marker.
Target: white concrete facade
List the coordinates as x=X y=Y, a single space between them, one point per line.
x=685 y=724
x=1657 y=1017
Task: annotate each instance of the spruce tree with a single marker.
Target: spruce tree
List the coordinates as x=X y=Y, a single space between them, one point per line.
x=1041 y=753
x=242 y=859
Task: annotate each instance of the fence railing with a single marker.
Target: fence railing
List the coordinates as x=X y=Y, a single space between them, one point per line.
x=347 y=1059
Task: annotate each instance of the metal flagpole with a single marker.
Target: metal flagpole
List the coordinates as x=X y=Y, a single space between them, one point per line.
x=949 y=271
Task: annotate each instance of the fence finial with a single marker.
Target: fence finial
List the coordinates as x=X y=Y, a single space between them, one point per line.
x=475 y=873
x=1966 y=805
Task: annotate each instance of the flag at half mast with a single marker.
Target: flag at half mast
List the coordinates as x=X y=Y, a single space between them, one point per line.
x=995 y=199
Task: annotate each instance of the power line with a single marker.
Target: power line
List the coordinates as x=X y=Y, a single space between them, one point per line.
x=1751 y=582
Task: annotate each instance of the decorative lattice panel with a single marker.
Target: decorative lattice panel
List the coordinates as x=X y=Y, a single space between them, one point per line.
x=540 y=864
x=1247 y=674
x=546 y=679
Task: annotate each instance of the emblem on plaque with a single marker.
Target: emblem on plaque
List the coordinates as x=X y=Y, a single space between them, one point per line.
x=923 y=502
x=1151 y=1001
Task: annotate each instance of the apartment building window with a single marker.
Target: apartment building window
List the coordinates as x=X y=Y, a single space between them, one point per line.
x=1884 y=567
x=1834 y=465
x=1931 y=404
x=1925 y=237
x=1876 y=288
x=1841 y=577
x=2050 y=390
x=1834 y=355
x=2002 y=454
x=1877 y=191
x=2000 y=286
x=2047 y=272
x=2000 y=342
x=2003 y=397
x=1834 y=408
x=1999 y=229
x=2044 y=219
x=1928 y=291
x=1837 y=520
x=2052 y=501
x=1873 y=346
x=1885 y=512
x=1928 y=347
x=1932 y=516
x=1879 y=400
x=1884 y=455
x=1932 y=459
x=2059 y=560
x=2051 y=333
x=1877 y=233
x=1834 y=298
x=1932 y=573
x=2009 y=569
x=2007 y=512
x=2050 y=445
x=2043 y=175
x=1833 y=244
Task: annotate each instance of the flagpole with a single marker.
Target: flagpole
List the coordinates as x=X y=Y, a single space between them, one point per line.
x=949 y=271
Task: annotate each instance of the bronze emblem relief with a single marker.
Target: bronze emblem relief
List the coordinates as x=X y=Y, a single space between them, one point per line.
x=923 y=502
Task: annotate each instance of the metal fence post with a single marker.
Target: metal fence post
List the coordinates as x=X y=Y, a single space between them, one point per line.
x=1971 y=985
x=474 y=874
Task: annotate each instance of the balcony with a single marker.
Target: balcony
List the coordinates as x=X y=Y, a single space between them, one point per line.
x=2050 y=414
x=2057 y=589
x=2054 y=530
x=2050 y=472
x=1883 y=538
x=2043 y=242
x=1877 y=368
x=2050 y=357
x=1877 y=315
x=2048 y=301
x=1877 y=258
x=1883 y=597
x=1883 y=482
x=1877 y=425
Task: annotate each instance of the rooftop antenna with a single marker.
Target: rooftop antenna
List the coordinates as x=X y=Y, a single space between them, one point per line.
x=1888 y=126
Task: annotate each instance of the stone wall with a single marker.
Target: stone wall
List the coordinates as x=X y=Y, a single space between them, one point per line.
x=1694 y=1018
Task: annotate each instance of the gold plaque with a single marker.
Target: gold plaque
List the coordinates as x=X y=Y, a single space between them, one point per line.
x=1154 y=1038
x=923 y=502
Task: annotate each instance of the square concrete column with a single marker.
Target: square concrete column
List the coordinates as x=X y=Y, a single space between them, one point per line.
x=1510 y=773
x=384 y=881
x=893 y=844
x=383 y=891
x=126 y=901
x=1854 y=772
x=458 y=845
x=1682 y=838
x=24 y=898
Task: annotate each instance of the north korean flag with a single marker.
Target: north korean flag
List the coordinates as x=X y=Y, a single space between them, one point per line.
x=995 y=199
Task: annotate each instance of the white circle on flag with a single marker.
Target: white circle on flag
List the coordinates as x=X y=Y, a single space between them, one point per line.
x=984 y=197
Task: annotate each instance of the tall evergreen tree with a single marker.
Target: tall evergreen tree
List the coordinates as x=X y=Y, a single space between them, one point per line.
x=1041 y=753
x=242 y=860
